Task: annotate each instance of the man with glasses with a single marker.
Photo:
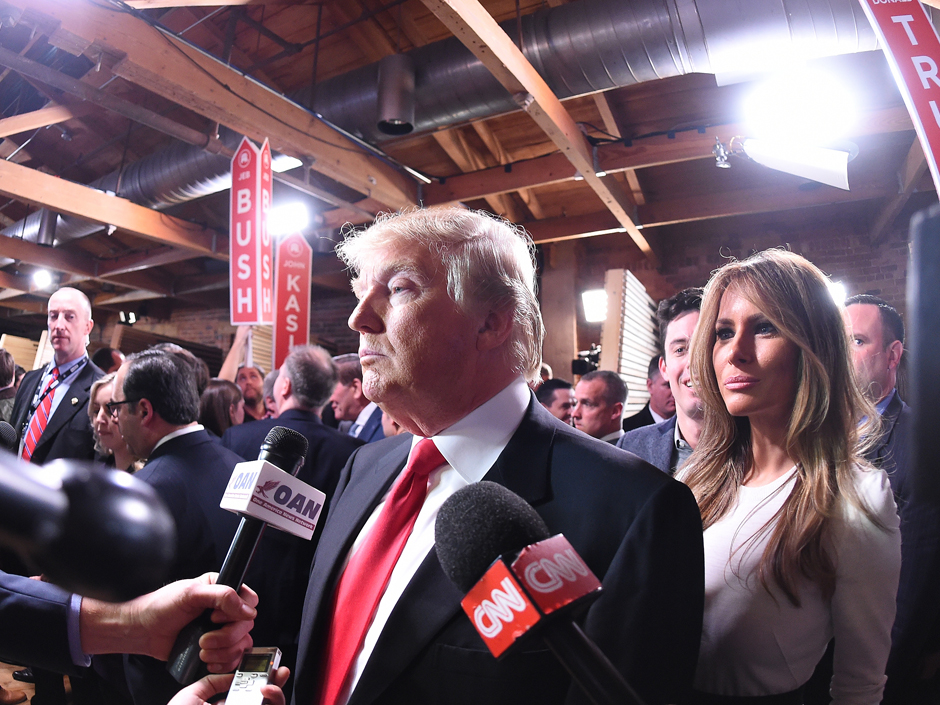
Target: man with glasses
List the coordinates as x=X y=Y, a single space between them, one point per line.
x=155 y=405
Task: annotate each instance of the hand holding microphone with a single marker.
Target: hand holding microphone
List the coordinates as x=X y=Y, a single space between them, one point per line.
x=263 y=493
x=520 y=582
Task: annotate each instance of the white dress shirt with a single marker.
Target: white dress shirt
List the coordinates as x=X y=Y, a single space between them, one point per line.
x=471 y=447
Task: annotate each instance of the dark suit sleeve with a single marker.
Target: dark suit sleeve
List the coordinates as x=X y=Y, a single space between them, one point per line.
x=34 y=628
x=649 y=620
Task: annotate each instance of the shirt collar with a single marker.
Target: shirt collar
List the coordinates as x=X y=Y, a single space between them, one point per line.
x=178 y=432
x=472 y=445
x=64 y=369
x=656 y=417
x=678 y=440
x=612 y=436
x=882 y=405
x=364 y=415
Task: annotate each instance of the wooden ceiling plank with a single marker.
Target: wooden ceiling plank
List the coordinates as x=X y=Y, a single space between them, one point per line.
x=764 y=200
x=48 y=257
x=39 y=189
x=612 y=128
x=160 y=4
x=173 y=69
x=914 y=167
x=16 y=283
x=615 y=158
x=50 y=115
x=368 y=35
x=499 y=153
x=139 y=261
x=454 y=142
x=479 y=32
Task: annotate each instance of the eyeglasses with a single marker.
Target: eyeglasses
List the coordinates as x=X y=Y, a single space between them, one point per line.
x=112 y=406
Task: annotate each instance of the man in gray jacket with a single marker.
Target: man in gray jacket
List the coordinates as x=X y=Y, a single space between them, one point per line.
x=668 y=445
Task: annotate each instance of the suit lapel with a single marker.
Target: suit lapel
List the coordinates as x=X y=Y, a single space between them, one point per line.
x=370 y=480
x=73 y=401
x=431 y=600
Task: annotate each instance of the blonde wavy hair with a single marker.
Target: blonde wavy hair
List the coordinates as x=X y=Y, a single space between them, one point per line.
x=823 y=434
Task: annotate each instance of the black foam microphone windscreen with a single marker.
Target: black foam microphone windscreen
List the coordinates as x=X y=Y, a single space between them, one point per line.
x=478 y=524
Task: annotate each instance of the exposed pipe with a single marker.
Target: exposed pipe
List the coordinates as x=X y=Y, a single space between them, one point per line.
x=579 y=48
x=595 y=45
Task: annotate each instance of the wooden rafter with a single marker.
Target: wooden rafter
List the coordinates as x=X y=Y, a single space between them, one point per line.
x=499 y=153
x=480 y=33
x=469 y=159
x=43 y=117
x=611 y=127
x=914 y=167
x=705 y=207
x=61 y=196
x=614 y=158
x=173 y=69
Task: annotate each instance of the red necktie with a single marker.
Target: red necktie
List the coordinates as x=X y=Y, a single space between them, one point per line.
x=367 y=574
x=37 y=424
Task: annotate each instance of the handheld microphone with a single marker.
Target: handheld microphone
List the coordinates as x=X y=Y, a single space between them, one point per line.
x=251 y=482
x=8 y=439
x=519 y=581
x=92 y=531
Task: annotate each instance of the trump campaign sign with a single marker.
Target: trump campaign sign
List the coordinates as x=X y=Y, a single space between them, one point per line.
x=251 y=277
x=913 y=52
x=292 y=296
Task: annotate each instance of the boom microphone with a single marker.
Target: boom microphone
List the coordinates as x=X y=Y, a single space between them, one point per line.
x=92 y=531
x=520 y=581
x=251 y=482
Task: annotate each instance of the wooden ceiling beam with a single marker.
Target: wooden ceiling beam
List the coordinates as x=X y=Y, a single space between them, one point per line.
x=171 y=68
x=612 y=128
x=138 y=261
x=495 y=147
x=705 y=207
x=160 y=4
x=61 y=196
x=614 y=158
x=914 y=167
x=49 y=257
x=16 y=283
x=454 y=142
x=479 y=32
x=50 y=115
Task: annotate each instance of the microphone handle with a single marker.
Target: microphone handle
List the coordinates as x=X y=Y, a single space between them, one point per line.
x=588 y=666
x=184 y=663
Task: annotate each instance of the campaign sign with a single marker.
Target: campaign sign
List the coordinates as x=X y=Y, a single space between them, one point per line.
x=292 y=296
x=913 y=51
x=499 y=609
x=263 y=491
x=251 y=279
x=554 y=574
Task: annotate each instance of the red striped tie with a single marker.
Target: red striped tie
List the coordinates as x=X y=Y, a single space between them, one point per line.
x=37 y=424
x=369 y=569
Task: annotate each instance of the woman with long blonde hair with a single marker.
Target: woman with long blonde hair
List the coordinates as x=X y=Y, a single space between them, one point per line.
x=801 y=533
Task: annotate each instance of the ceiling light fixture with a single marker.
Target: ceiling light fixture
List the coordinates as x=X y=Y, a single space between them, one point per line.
x=42 y=279
x=288 y=218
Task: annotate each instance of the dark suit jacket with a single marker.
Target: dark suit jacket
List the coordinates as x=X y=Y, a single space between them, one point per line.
x=34 y=619
x=638 y=530
x=281 y=566
x=190 y=473
x=68 y=433
x=652 y=443
x=641 y=418
x=916 y=631
x=372 y=429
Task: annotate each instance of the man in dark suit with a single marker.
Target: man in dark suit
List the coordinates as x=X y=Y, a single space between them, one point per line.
x=156 y=406
x=66 y=381
x=667 y=445
x=877 y=333
x=50 y=416
x=450 y=331
x=350 y=404
x=599 y=399
x=661 y=406
x=281 y=565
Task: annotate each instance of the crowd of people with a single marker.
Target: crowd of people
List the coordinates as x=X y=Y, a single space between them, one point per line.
x=754 y=526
